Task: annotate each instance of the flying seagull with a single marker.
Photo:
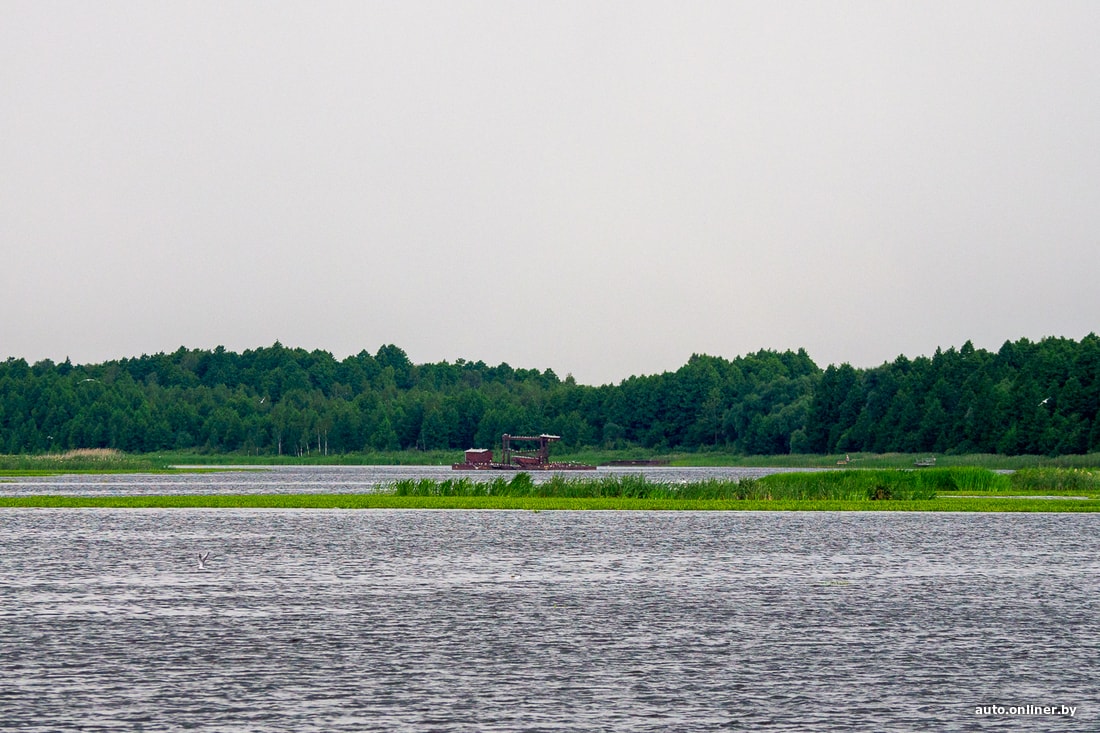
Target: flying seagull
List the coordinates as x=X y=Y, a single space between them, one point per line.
x=1045 y=400
x=202 y=561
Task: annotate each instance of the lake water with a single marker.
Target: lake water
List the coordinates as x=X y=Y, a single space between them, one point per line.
x=334 y=620
x=325 y=479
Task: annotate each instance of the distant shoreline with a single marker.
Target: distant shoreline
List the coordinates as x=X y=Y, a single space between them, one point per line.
x=108 y=461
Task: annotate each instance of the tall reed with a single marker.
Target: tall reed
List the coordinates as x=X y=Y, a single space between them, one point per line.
x=878 y=483
x=846 y=485
x=1056 y=479
x=82 y=459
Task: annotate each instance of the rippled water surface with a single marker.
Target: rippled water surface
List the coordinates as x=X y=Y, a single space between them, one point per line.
x=333 y=620
x=321 y=479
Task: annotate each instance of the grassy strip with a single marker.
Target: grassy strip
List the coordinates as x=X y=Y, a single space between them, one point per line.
x=390 y=501
x=998 y=504
x=617 y=486
x=975 y=489
x=92 y=460
x=882 y=483
x=1023 y=492
x=1039 y=481
x=700 y=458
x=847 y=485
x=1056 y=479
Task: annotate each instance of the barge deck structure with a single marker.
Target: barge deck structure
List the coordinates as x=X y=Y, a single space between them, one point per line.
x=516 y=459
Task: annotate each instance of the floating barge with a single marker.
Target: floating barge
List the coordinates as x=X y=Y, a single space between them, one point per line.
x=514 y=459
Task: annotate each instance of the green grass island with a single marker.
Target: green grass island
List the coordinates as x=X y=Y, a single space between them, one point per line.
x=899 y=486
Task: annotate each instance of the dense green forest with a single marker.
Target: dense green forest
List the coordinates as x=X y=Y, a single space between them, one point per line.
x=1027 y=398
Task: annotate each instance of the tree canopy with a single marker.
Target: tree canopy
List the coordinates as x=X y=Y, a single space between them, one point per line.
x=1028 y=397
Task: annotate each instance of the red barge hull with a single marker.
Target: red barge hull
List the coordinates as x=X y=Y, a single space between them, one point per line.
x=517 y=467
x=535 y=459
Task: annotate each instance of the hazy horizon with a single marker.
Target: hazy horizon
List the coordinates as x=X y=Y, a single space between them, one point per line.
x=601 y=189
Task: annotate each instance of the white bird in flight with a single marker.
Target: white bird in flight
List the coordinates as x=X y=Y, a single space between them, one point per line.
x=1045 y=400
x=202 y=561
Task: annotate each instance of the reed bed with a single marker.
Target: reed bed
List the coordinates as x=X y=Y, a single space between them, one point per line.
x=891 y=483
x=628 y=486
x=105 y=460
x=845 y=485
x=840 y=490
x=1047 y=480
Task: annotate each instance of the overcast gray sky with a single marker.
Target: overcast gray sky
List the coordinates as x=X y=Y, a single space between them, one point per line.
x=599 y=188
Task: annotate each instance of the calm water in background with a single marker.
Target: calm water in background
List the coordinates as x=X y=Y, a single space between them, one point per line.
x=497 y=620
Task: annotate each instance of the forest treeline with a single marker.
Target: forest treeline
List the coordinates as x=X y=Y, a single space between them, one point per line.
x=1026 y=398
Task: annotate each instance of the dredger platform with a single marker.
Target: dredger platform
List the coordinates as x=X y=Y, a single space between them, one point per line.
x=536 y=458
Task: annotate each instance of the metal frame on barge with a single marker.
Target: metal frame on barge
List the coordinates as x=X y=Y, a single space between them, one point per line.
x=516 y=459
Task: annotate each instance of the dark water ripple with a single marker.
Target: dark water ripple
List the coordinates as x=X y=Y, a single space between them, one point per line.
x=549 y=621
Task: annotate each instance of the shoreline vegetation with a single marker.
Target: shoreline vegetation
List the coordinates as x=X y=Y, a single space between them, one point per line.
x=108 y=460
x=81 y=460
x=1027 y=398
x=956 y=488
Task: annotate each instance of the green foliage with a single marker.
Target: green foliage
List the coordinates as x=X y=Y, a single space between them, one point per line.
x=1083 y=480
x=520 y=484
x=1039 y=398
x=848 y=485
x=874 y=484
x=80 y=461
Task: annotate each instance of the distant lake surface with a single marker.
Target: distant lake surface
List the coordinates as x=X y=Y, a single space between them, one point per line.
x=402 y=620
x=325 y=479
